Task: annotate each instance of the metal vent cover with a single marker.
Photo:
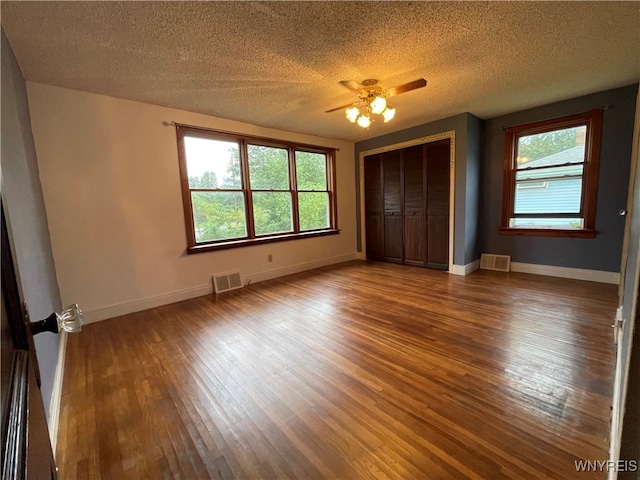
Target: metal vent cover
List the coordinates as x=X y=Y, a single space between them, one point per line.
x=500 y=263
x=226 y=282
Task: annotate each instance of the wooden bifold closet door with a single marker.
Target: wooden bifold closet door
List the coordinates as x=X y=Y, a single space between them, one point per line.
x=392 y=202
x=415 y=245
x=407 y=205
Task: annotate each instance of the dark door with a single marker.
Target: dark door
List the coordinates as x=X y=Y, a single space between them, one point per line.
x=392 y=198
x=407 y=205
x=415 y=246
x=438 y=170
x=26 y=449
x=374 y=207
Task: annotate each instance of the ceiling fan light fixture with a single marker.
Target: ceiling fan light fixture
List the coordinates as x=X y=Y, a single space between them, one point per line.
x=372 y=100
x=364 y=120
x=378 y=105
x=352 y=113
x=388 y=114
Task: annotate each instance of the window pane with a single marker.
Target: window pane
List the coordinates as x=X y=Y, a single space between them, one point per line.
x=552 y=148
x=560 y=195
x=218 y=215
x=212 y=163
x=544 y=173
x=268 y=168
x=272 y=212
x=311 y=171
x=314 y=210
x=560 y=223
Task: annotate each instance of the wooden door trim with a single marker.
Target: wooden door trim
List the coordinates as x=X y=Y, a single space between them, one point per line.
x=623 y=366
x=10 y=289
x=451 y=135
x=24 y=454
x=14 y=455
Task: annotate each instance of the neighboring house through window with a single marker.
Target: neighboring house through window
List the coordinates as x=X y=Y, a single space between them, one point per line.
x=241 y=190
x=551 y=176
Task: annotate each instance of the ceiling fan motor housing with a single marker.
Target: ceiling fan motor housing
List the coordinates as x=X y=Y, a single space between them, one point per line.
x=371 y=90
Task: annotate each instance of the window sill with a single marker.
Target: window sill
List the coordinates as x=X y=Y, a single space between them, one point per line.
x=548 y=232
x=246 y=242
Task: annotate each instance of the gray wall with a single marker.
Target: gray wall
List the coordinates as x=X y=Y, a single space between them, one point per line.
x=472 y=190
x=467 y=166
x=26 y=216
x=600 y=253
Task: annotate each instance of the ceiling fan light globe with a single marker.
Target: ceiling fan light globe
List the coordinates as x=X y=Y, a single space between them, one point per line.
x=378 y=105
x=364 y=121
x=352 y=114
x=388 y=114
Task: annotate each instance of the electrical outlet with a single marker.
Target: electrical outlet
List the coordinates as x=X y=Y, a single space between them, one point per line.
x=270 y=258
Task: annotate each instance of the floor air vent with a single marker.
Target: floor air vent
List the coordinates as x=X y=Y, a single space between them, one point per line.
x=226 y=282
x=501 y=263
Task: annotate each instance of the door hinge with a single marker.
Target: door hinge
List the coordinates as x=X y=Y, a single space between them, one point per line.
x=25 y=312
x=619 y=321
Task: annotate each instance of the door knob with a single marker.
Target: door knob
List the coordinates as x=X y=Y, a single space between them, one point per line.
x=70 y=320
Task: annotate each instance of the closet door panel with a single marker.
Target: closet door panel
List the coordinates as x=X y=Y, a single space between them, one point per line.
x=374 y=212
x=391 y=170
x=414 y=181
x=438 y=171
x=375 y=237
x=393 y=251
x=373 y=184
x=438 y=257
x=414 y=206
x=393 y=194
x=414 y=244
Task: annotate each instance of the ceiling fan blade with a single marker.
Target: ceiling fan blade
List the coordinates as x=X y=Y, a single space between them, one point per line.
x=351 y=85
x=407 y=87
x=339 y=108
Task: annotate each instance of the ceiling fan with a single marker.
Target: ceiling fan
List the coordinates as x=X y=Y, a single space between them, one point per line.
x=372 y=100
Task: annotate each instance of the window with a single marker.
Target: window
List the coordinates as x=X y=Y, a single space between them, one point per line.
x=551 y=177
x=240 y=190
x=530 y=185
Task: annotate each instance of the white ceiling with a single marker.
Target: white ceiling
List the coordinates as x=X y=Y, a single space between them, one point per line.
x=278 y=64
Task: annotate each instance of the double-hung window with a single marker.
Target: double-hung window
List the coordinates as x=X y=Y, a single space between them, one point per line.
x=551 y=176
x=239 y=190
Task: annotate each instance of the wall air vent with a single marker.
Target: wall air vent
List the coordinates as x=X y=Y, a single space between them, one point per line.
x=501 y=263
x=226 y=282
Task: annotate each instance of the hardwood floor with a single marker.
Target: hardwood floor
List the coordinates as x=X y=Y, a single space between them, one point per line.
x=362 y=370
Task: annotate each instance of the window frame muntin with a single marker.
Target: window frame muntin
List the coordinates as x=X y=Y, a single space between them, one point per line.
x=243 y=141
x=328 y=169
x=593 y=120
x=250 y=191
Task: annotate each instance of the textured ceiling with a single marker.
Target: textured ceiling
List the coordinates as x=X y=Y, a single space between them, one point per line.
x=278 y=64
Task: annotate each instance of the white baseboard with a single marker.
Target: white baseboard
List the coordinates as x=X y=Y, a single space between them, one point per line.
x=300 y=267
x=56 y=394
x=103 y=313
x=466 y=269
x=567 y=272
x=91 y=316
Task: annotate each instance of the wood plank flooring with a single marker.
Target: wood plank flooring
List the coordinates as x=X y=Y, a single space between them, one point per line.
x=362 y=370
